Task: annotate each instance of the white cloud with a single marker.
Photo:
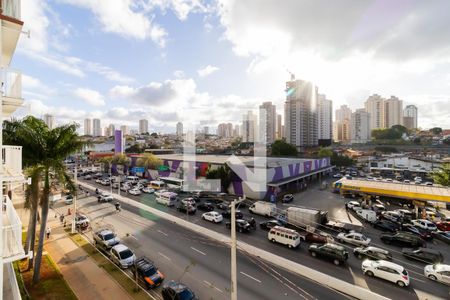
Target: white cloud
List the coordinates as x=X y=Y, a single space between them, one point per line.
x=178 y=74
x=208 y=70
x=91 y=97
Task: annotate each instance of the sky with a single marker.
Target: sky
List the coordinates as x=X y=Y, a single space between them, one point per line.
x=209 y=62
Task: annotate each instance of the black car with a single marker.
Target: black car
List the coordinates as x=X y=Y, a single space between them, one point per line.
x=424 y=255
x=442 y=236
x=241 y=225
x=148 y=273
x=403 y=239
x=222 y=205
x=267 y=225
x=206 y=206
x=329 y=251
x=372 y=253
x=186 y=208
x=424 y=234
x=386 y=225
x=177 y=291
x=227 y=214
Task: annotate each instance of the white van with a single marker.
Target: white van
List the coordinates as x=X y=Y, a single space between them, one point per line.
x=167 y=198
x=284 y=236
x=367 y=214
x=132 y=179
x=263 y=208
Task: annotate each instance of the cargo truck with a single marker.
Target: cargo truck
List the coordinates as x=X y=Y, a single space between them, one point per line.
x=304 y=217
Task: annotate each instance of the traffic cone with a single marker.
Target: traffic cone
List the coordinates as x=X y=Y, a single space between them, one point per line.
x=68 y=212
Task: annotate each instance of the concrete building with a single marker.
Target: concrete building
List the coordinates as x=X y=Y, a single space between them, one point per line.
x=179 y=129
x=143 y=126
x=87 y=127
x=325 y=120
x=343 y=113
x=49 y=120
x=268 y=115
x=280 y=133
x=342 y=131
x=111 y=129
x=301 y=114
x=393 y=112
x=410 y=117
x=249 y=125
x=206 y=130
x=237 y=131
x=374 y=105
x=225 y=130
x=125 y=129
x=97 y=127
x=119 y=142
x=360 y=131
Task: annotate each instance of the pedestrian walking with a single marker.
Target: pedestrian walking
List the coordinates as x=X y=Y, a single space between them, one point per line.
x=48 y=232
x=61 y=218
x=64 y=224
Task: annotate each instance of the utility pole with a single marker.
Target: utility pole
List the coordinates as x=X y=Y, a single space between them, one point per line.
x=110 y=178
x=233 y=248
x=75 y=197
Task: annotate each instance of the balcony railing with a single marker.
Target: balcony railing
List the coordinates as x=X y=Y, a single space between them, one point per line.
x=11 y=159
x=12 y=232
x=12 y=83
x=10 y=8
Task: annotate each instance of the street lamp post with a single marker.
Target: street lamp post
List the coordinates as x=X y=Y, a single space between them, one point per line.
x=75 y=198
x=110 y=178
x=233 y=248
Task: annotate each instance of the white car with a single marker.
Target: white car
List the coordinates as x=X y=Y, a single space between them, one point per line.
x=353 y=238
x=148 y=190
x=99 y=180
x=125 y=187
x=134 y=191
x=424 y=224
x=160 y=192
x=212 y=216
x=354 y=205
x=122 y=256
x=438 y=272
x=387 y=271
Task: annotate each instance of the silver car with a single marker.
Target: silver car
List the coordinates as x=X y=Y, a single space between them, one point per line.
x=122 y=256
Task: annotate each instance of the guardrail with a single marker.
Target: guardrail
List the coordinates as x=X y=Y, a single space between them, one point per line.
x=12 y=232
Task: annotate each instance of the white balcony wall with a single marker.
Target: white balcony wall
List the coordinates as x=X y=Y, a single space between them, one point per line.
x=11 y=159
x=12 y=83
x=12 y=232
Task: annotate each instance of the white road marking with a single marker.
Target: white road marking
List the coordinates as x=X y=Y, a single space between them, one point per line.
x=166 y=257
x=163 y=233
x=418 y=279
x=203 y=253
x=209 y=284
x=255 y=279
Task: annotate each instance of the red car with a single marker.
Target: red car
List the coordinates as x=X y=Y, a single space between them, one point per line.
x=443 y=226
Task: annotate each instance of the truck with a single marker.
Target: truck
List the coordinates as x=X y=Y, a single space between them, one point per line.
x=304 y=217
x=343 y=226
x=263 y=208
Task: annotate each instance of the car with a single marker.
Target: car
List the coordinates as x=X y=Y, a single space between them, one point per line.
x=206 y=206
x=386 y=270
x=406 y=181
x=148 y=190
x=442 y=236
x=122 y=256
x=402 y=239
x=212 y=216
x=105 y=239
x=378 y=208
x=97 y=176
x=105 y=198
x=329 y=251
x=337 y=175
x=267 y=225
x=99 y=180
x=428 y=183
x=417 y=178
x=353 y=205
x=424 y=224
x=69 y=199
x=160 y=192
x=189 y=201
x=227 y=214
x=174 y=290
x=424 y=234
x=222 y=206
x=287 y=198
x=317 y=237
x=354 y=238
x=115 y=185
x=87 y=177
x=81 y=219
x=134 y=191
x=386 y=225
x=372 y=253
x=186 y=208
x=147 y=273
x=125 y=187
x=423 y=255
x=443 y=226
x=105 y=182
x=241 y=225
x=388 y=180
x=438 y=272
x=406 y=214
x=391 y=215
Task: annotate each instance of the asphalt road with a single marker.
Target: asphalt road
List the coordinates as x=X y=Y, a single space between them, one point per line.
x=420 y=288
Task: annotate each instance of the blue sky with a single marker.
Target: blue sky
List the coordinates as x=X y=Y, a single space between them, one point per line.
x=211 y=61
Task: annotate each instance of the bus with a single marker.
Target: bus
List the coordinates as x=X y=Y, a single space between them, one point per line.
x=173 y=182
x=157 y=184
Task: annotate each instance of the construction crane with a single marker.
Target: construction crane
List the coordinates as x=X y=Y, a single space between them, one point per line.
x=292 y=75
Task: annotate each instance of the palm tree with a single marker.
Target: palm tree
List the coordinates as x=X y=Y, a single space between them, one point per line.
x=149 y=161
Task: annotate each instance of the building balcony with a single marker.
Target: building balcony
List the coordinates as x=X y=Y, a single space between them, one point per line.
x=12 y=233
x=11 y=91
x=10 y=9
x=11 y=163
x=11 y=27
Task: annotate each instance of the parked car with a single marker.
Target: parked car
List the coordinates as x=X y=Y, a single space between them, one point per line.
x=402 y=239
x=287 y=198
x=134 y=191
x=329 y=251
x=354 y=238
x=104 y=198
x=386 y=225
x=148 y=190
x=424 y=234
x=267 y=225
x=176 y=290
x=372 y=253
x=186 y=208
x=122 y=256
x=438 y=272
x=424 y=224
x=212 y=216
x=423 y=255
x=443 y=226
x=442 y=236
x=386 y=270
x=147 y=273
x=105 y=239
x=353 y=205
x=206 y=206
x=227 y=214
x=81 y=220
x=241 y=225
x=69 y=199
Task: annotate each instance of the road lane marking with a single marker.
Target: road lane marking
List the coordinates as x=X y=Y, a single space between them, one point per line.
x=166 y=257
x=209 y=284
x=202 y=253
x=249 y=276
x=163 y=233
x=418 y=279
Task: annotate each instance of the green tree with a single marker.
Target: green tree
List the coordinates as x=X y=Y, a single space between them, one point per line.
x=325 y=152
x=136 y=148
x=281 y=148
x=149 y=161
x=436 y=130
x=341 y=160
x=223 y=173
x=442 y=176
x=106 y=162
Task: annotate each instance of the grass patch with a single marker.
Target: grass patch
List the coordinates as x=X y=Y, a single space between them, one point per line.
x=20 y=282
x=128 y=284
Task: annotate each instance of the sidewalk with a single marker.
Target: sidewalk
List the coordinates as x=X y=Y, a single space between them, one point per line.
x=87 y=280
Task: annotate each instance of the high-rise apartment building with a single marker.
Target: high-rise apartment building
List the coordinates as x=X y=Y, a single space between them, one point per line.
x=301 y=113
x=343 y=113
x=49 y=120
x=268 y=115
x=374 y=105
x=410 y=117
x=143 y=126
x=111 y=129
x=393 y=112
x=179 y=129
x=360 y=126
x=125 y=129
x=325 y=118
x=280 y=133
x=225 y=130
x=87 y=127
x=342 y=131
x=236 y=131
x=205 y=130
x=249 y=127
x=96 y=127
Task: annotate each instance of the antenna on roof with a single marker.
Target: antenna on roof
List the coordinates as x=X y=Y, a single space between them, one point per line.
x=292 y=75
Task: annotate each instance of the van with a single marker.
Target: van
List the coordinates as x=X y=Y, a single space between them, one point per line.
x=132 y=179
x=285 y=236
x=367 y=214
x=156 y=184
x=263 y=208
x=167 y=198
